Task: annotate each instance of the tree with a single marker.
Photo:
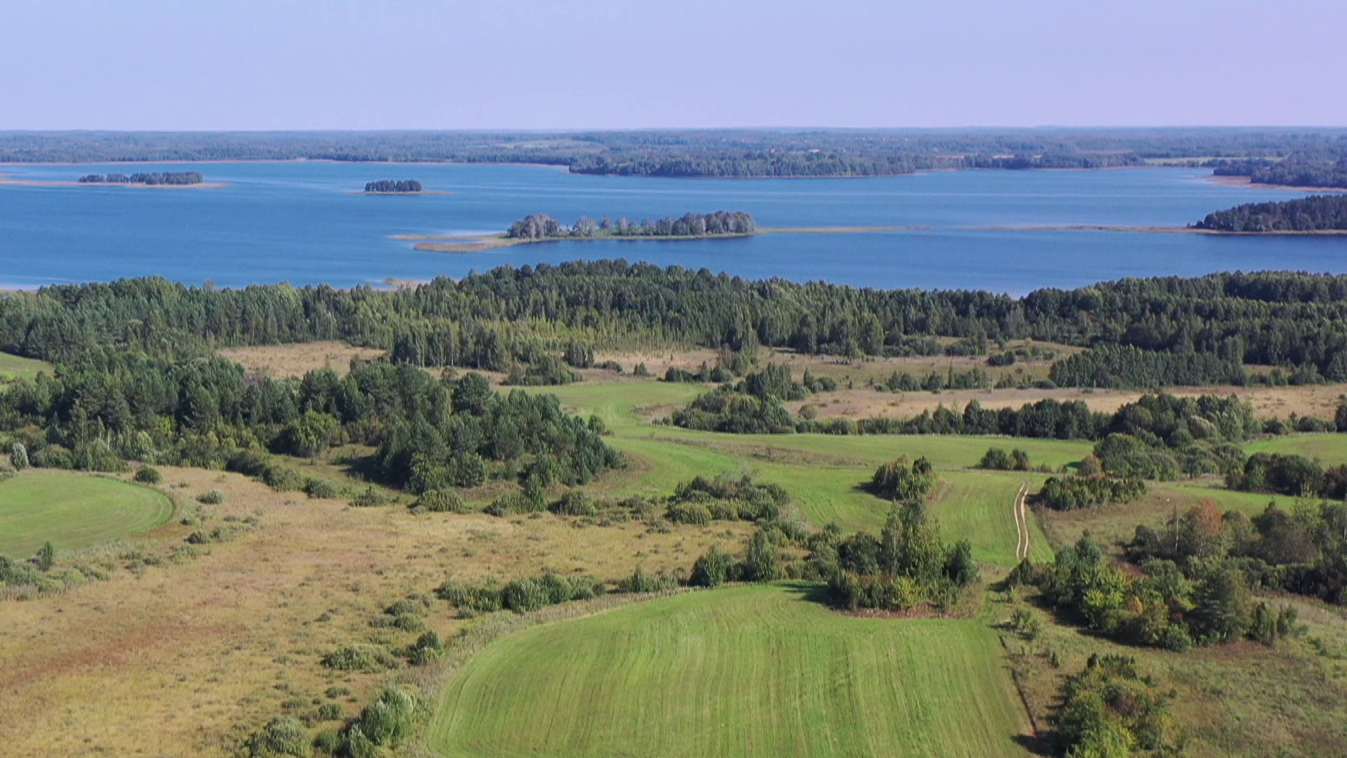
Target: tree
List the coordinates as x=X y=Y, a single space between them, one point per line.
x=1221 y=611
x=761 y=563
x=711 y=569
x=18 y=456
x=46 y=556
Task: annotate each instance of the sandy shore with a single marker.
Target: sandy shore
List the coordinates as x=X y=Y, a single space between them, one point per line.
x=1245 y=181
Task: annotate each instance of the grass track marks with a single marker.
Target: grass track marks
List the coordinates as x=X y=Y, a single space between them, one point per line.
x=743 y=671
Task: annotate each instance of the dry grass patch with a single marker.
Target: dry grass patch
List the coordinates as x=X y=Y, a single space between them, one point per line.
x=299 y=358
x=186 y=659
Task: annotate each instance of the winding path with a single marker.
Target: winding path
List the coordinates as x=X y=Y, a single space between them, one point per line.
x=1021 y=515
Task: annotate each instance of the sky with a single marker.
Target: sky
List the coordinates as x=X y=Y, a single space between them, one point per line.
x=610 y=64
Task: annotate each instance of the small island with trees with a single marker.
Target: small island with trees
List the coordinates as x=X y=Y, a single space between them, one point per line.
x=156 y=179
x=394 y=187
x=1317 y=214
x=543 y=228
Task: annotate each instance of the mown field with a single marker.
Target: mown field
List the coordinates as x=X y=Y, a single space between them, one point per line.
x=15 y=367
x=1330 y=449
x=73 y=511
x=745 y=671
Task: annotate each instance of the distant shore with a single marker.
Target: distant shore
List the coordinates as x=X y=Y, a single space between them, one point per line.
x=1152 y=230
x=1247 y=181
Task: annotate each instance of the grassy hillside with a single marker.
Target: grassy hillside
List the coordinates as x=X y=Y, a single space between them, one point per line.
x=746 y=671
x=73 y=511
x=1330 y=449
x=14 y=367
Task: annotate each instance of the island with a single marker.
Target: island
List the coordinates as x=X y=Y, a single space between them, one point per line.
x=165 y=178
x=541 y=227
x=1317 y=214
x=394 y=187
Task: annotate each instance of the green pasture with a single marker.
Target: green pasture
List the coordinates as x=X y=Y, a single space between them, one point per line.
x=73 y=511
x=738 y=672
x=13 y=367
x=1330 y=449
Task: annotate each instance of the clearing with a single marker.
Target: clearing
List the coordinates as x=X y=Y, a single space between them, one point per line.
x=15 y=367
x=743 y=671
x=73 y=511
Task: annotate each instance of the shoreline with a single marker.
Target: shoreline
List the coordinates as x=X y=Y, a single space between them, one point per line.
x=395 y=194
x=1152 y=230
x=1247 y=181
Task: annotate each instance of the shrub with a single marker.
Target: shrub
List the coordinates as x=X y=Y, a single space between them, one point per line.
x=322 y=489
x=53 y=456
x=441 y=501
x=712 y=569
x=370 y=498
x=328 y=712
x=328 y=741
x=575 y=503
x=281 y=736
x=46 y=557
x=148 y=475
x=282 y=479
x=213 y=497
x=360 y=657
x=640 y=581
x=513 y=503
x=690 y=513
x=386 y=721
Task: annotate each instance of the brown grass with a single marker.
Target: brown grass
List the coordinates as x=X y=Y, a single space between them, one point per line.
x=281 y=361
x=183 y=660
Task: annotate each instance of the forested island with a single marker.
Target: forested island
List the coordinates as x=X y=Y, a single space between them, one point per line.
x=172 y=178
x=721 y=223
x=704 y=153
x=1319 y=213
x=393 y=187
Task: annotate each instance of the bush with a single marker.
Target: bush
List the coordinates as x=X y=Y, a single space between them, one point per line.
x=441 y=501
x=328 y=741
x=690 y=513
x=371 y=498
x=514 y=503
x=213 y=497
x=712 y=569
x=281 y=736
x=640 y=581
x=387 y=720
x=322 y=489
x=148 y=475
x=54 y=456
x=575 y=503
x=328 y=712
x=360 y=657
x=282 y=479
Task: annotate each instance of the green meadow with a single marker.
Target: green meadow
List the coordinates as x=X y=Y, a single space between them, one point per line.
x=73 y=511
x=739 y=672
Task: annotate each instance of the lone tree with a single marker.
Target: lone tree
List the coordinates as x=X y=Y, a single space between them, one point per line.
x=18 y=455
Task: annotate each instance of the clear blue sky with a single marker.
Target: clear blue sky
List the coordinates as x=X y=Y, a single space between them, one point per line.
x=540 y=64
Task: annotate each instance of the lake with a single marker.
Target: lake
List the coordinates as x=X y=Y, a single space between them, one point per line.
x=304 y=222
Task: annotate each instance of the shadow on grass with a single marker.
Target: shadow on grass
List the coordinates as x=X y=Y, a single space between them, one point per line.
x=810 y=592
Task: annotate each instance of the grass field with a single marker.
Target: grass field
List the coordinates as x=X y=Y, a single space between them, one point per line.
x=73 y=511
x=745 y=671
x=14 y=367
x=1330 y=449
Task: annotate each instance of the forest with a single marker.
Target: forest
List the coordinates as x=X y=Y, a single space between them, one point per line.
x=1301 y=169
x=172 y=177
x=1317 y=213
x=1144 y=332
x=693 y=153
x=542 y=227
x=393 y=186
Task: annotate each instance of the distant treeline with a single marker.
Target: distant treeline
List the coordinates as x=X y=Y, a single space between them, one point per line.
x=1299 y=170
x=542 y=226
x=719 y=153
x=392 y=185
x=1143 y=332
x=1310 y=214
x=172 y=177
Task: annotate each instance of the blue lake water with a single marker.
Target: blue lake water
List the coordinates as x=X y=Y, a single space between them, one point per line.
x=302 y=223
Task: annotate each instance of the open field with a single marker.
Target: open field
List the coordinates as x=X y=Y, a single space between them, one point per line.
x=185 y=658
x=744 y=671
x=280 y=361
x=73 y=511
x=1330 y=449
x=15 y=367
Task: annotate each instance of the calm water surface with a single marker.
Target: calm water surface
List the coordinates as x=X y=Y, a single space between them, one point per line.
x=301 y=223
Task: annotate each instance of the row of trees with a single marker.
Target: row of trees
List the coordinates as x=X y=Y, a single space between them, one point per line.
x=1297 y=321
x=541 y=226
x=170 y=177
